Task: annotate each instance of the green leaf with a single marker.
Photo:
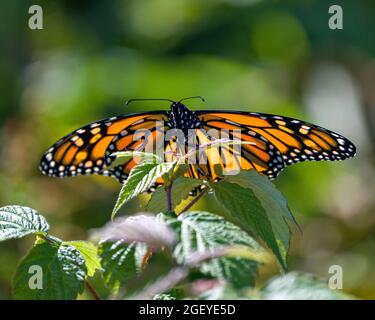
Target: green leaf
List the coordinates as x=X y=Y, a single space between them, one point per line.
x=245 y=210
x=180 y=191
x=142 y=228
x=140 y=179
x=201 y=232
x=89 y=252
x=273 y=202
x=295 y=286
x=164 y=296
x=120 y=262
x=124 y=156
x=17 y=222
x=63 y=273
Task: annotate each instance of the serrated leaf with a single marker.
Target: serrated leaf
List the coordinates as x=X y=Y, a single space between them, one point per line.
x=17 y=222
x=142 y=228
x=120 y=262
x=273 y=202
x=295 y=286
x=89 y=252
x=244 y=209
x=247 y=253
x=162 y=284
x=141 y=178
x=202 y=231
x=124 y=156
x=180 y=191
x=63 y=273
x=164 y=296
x=199 y=257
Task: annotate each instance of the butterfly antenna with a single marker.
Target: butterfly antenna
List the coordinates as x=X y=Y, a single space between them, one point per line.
x=157 y=99
x=195 y=97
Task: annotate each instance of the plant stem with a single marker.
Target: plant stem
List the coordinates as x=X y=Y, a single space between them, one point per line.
x=48 y=239
x=169 y=196
x=195 y=200
x=92 y=290
x=145 y=259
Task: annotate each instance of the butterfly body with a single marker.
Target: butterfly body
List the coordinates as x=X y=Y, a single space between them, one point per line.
x=181 y=117
x=274 y=142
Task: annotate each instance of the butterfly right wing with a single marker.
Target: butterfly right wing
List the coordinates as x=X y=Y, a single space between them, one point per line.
x=284 y=140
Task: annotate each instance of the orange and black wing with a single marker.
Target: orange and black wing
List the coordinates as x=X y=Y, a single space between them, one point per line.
x=278 y=141
x=88 y=150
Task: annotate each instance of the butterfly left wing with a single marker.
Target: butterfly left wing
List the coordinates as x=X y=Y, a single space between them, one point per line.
x=88 y=149
x=292 y=140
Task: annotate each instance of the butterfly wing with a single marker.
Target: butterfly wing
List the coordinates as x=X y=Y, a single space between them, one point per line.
x=279 y=141
x=88 y=150
x=275 y=143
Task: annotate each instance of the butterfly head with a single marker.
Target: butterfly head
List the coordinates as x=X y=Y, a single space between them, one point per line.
x=178 y=108
x=181 y=117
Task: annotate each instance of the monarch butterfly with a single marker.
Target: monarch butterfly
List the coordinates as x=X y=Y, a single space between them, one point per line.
x=274 y=142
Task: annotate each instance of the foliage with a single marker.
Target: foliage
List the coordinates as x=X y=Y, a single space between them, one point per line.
x=64 y=271
x=76 y=71
x=120 y=261
x=294 y=286
x=193 y=245
x=290 y=286
x=182 y=187
x=89 y=252
x=251 y=218
x=17 y=222
x=141 y=178
x=201 y=232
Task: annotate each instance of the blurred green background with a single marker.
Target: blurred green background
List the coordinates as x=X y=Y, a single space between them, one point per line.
x=267 y=56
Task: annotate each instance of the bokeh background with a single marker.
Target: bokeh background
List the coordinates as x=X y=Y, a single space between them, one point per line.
x=267 y=56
